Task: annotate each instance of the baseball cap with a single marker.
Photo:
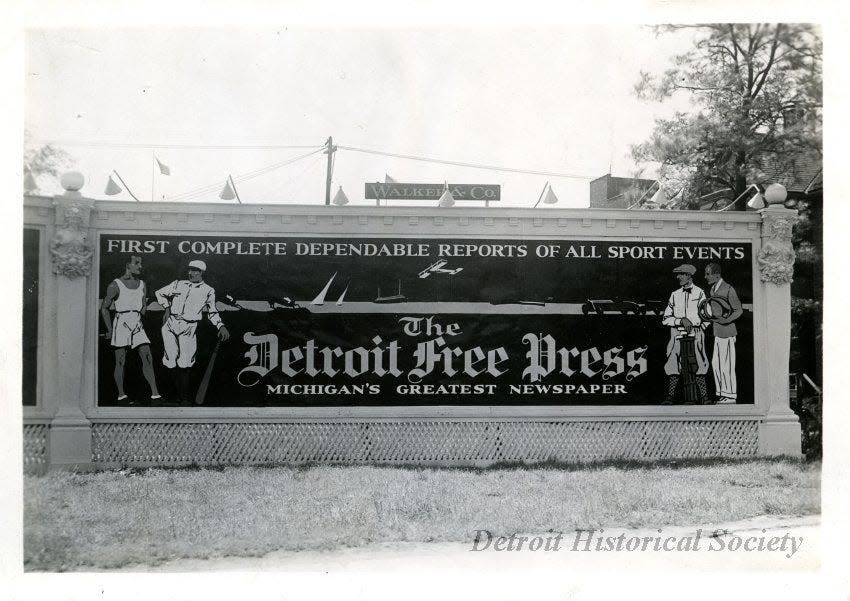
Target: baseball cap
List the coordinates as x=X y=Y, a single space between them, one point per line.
x=198 y=265
x=685 y=268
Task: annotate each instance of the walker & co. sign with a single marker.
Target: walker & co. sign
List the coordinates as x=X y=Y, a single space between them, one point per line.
x=395 y=190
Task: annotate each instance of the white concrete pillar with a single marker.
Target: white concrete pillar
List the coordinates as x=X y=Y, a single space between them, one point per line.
x=779 y=431
x=71 y=253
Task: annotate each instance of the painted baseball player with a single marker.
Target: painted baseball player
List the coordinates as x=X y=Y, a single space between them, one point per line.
x=127 y=297
x=185 y=302
x=686 y=357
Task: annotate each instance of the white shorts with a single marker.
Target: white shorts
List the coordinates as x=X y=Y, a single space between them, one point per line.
x=127 y=330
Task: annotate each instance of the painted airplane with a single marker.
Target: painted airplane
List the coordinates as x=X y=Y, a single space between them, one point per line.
x=438 y=268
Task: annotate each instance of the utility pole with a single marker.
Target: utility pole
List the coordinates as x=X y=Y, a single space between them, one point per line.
x=153 y=158
x=330 y=152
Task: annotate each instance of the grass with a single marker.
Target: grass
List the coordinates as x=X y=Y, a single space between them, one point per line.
x=110 y=519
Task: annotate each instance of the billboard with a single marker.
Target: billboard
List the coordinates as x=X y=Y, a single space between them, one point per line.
x=397 y=190
x=286 y=321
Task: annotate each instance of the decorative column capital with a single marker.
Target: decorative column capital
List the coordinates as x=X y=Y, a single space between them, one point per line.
x=776 y=258
x=70 y=248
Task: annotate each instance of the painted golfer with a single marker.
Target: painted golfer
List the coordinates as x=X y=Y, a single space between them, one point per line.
x=686 y=358
x=184 y=302
x=127 y=297
x=725 y=333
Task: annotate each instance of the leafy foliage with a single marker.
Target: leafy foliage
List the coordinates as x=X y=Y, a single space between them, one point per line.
x=810 y=410
x=756 y=91
x=44 y=159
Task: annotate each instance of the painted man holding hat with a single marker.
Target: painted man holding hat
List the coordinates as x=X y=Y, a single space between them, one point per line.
x=686 y=358
x=725 y=332
x=184 y=302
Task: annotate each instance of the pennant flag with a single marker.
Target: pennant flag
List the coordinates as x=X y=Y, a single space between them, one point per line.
x=389 y=180
x=757 y=201
x=446 y=200
x=227 y=192
x=112 y=188
x=550 y=197
x=29 y=182
x=162 y=167
x=659 y=198
x=340 y=198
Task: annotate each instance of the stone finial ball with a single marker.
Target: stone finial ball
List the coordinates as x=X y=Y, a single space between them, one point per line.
x=775 y=194
x=72 y=181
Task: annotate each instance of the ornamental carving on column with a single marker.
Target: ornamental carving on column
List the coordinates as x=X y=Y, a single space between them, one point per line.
x=69 y=247
x=776 y=258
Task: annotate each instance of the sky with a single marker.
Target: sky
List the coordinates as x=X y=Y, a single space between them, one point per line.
x=551 y=99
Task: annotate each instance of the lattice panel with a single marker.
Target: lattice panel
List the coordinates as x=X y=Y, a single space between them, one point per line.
x=35 y=447
x=418 y=441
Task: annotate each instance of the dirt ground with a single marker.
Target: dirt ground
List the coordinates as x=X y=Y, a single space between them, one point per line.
x=710 y=553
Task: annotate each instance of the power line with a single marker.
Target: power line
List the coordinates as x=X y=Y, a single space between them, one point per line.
x=298 y=176
x=243 y=177
x=179 y=146
x=201 y=191
x=130 y=145
x=462 y=164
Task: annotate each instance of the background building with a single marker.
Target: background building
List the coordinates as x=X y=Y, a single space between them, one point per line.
x=609 y=192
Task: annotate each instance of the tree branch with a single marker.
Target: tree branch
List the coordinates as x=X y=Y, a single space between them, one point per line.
x=764 y=72
x=693 y=88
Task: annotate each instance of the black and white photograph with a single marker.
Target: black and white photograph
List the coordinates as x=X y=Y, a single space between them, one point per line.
x=456 y=296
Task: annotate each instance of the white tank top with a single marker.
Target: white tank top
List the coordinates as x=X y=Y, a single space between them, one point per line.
x=129 y=299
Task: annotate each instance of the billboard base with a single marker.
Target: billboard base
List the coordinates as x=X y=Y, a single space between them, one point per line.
x=423 y=442
x=780 y=436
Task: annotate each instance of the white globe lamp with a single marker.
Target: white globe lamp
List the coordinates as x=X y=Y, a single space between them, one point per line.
x=72 y=182
x=775 y=194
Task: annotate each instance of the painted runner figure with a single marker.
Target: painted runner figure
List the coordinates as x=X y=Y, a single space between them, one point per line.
x=686 y=358
x=127 y=296
x=184 y=302
x=725 y=333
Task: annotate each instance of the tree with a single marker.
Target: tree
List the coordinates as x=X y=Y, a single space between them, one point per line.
x=40 y=160
x=757 y=94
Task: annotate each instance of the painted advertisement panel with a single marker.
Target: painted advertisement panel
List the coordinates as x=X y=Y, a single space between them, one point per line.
x=29 y=338
x=241 y=321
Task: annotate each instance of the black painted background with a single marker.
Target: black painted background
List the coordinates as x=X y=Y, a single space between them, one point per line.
x=482 y=280
x=29 y=346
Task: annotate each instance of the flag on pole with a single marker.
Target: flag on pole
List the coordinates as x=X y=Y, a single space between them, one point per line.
x=388 y=179
x=659 y=198
x=29 y=182
x=227 y=193
x=757 y=201
x=340 y=199
x=446 y=200
x=550 y=198
x=163 y=168
x=112 y=188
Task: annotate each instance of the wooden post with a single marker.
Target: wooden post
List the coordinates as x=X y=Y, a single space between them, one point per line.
x=153 y=158
x=330 y=150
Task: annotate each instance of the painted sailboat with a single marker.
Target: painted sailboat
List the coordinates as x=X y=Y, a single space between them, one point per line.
x=518 y=302
x=320 y=298
x=394 y=298
x=340 y=300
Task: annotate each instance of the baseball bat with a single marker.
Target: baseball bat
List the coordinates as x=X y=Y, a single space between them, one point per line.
x=205 y=382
